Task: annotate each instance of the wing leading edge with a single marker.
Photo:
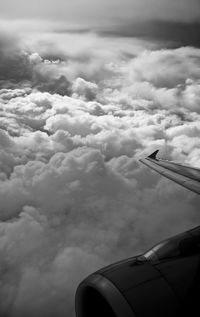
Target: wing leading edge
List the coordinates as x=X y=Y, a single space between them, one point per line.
x=186 y=176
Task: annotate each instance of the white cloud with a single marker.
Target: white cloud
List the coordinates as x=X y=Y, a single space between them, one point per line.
x=167 y=68
x=82 y=88
x=73 y=195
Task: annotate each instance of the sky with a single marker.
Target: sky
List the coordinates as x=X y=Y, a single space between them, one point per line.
x=86 y=89
x=86 y=11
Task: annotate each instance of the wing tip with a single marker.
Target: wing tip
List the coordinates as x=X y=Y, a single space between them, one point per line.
x=153 y=155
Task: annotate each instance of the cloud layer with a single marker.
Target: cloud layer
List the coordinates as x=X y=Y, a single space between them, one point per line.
x=75 y=118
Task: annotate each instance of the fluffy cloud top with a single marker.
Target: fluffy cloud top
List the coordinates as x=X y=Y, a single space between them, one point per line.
x=74 y=122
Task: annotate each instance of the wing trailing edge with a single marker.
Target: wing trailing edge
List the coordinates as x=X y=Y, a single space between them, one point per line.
x=186 y=176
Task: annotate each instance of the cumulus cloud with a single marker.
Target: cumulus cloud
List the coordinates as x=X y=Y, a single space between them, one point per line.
x=82 y=88
x=73 y=194
x=174 y=67
x=20 y=68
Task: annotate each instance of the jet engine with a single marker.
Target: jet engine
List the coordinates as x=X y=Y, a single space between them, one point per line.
x=163 y=282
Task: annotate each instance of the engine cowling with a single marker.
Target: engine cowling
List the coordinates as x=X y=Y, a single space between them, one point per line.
x=162 y=282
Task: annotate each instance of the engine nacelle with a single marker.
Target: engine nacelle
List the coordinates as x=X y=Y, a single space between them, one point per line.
x=162 y=282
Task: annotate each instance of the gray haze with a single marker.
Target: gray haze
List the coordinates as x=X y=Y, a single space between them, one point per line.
x=99 y=13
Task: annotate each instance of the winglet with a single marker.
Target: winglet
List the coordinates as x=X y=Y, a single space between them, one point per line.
x=153 y=155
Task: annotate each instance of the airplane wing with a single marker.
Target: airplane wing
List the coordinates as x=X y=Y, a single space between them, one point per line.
x=186 y=176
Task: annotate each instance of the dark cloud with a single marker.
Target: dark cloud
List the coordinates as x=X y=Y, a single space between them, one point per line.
x=14 y=63
x=21 y=68
x=174 y=33
x=58 y=85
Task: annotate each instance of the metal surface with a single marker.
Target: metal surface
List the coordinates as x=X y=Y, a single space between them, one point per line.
x=186 y=176
x=109 y=291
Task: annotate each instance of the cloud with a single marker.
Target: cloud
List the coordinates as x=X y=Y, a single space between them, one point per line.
x=73 y=195
x=175 y=67
x=174 y=33
x=21 y=69
x=85 y=89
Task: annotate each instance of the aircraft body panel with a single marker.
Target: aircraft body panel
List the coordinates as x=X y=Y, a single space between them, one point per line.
x=186 y=176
